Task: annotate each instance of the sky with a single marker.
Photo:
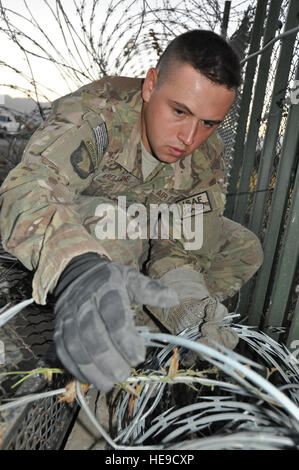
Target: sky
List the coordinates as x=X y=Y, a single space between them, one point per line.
x=43 y=70
x=51 y=83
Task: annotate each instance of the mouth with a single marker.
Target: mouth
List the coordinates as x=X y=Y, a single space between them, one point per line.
x=176 y=152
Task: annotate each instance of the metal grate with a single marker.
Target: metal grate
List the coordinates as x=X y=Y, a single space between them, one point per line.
x=41 y=425
x=28 y=344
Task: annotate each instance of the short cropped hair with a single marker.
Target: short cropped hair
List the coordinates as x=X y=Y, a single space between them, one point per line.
x=207 y=52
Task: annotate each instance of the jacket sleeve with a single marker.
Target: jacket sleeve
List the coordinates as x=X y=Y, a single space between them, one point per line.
x=39 y=221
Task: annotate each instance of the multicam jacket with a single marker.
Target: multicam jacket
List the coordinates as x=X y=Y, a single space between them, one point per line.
x=88 y=150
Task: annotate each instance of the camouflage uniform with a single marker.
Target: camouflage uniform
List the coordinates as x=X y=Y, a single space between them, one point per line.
x=87 y=153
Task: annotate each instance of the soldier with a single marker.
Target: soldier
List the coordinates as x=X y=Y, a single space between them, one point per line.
x=118 y=142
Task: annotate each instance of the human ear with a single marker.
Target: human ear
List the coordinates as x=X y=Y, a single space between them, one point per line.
x=149 y=84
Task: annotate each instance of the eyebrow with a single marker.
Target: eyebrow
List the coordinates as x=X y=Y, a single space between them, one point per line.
x=185 y=108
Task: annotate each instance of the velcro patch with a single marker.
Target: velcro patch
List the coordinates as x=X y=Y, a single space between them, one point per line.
x=195 y=204
x=92 y=152
x=81 y=160
x=102 y=140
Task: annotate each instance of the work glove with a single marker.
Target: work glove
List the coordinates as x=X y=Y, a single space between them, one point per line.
x=95 y=337
x=196 y=307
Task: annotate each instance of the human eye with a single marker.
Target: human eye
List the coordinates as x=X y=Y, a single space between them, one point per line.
x=208 y=124
x=179 y=112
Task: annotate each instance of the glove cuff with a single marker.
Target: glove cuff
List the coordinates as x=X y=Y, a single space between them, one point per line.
x=75 y=268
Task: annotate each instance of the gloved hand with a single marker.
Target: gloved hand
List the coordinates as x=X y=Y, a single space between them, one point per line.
x=196 y=307
x=95 y=336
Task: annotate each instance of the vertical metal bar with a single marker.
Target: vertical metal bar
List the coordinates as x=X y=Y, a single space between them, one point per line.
x=256 y=33
x=286 y=268
x=294 y=328
x=256 y=111
x=275 y=113
x=225 y=20
x=245 y=295
x=278 y=206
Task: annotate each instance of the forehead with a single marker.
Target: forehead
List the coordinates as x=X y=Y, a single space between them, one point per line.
x=188 y=86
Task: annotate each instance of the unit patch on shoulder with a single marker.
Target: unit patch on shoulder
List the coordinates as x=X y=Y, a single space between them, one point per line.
x=197 y=203
x=102 y=140
x=82 y=159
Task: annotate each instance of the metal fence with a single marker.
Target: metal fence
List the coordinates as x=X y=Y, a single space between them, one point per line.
x=263 y=188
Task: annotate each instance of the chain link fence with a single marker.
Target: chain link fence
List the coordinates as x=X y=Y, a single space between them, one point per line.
x=265 y=161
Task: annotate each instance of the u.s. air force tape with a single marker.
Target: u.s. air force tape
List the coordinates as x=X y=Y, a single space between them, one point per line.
x=198 y=203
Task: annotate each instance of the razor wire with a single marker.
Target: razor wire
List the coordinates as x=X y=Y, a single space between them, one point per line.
x=262 y=425
x=117 y=37
x=262 y=410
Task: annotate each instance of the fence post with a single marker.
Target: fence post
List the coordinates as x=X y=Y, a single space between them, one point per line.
x=278 y=206
x=288 y=260
x=273 y=123
x=294 y=328
x=256 y=33
x=255 y=114
x=225 y=19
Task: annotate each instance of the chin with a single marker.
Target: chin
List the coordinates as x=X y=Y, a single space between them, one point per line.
x=167 y=158
x=171 y=159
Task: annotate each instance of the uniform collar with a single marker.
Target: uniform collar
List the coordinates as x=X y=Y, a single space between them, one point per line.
x=130 y=157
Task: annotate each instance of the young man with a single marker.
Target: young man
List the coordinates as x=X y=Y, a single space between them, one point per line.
x=120 y=144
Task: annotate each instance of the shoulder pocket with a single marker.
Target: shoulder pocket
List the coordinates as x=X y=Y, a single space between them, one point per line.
x=76 y=150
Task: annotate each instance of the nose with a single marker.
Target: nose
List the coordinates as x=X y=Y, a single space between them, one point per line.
x=187 y=133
